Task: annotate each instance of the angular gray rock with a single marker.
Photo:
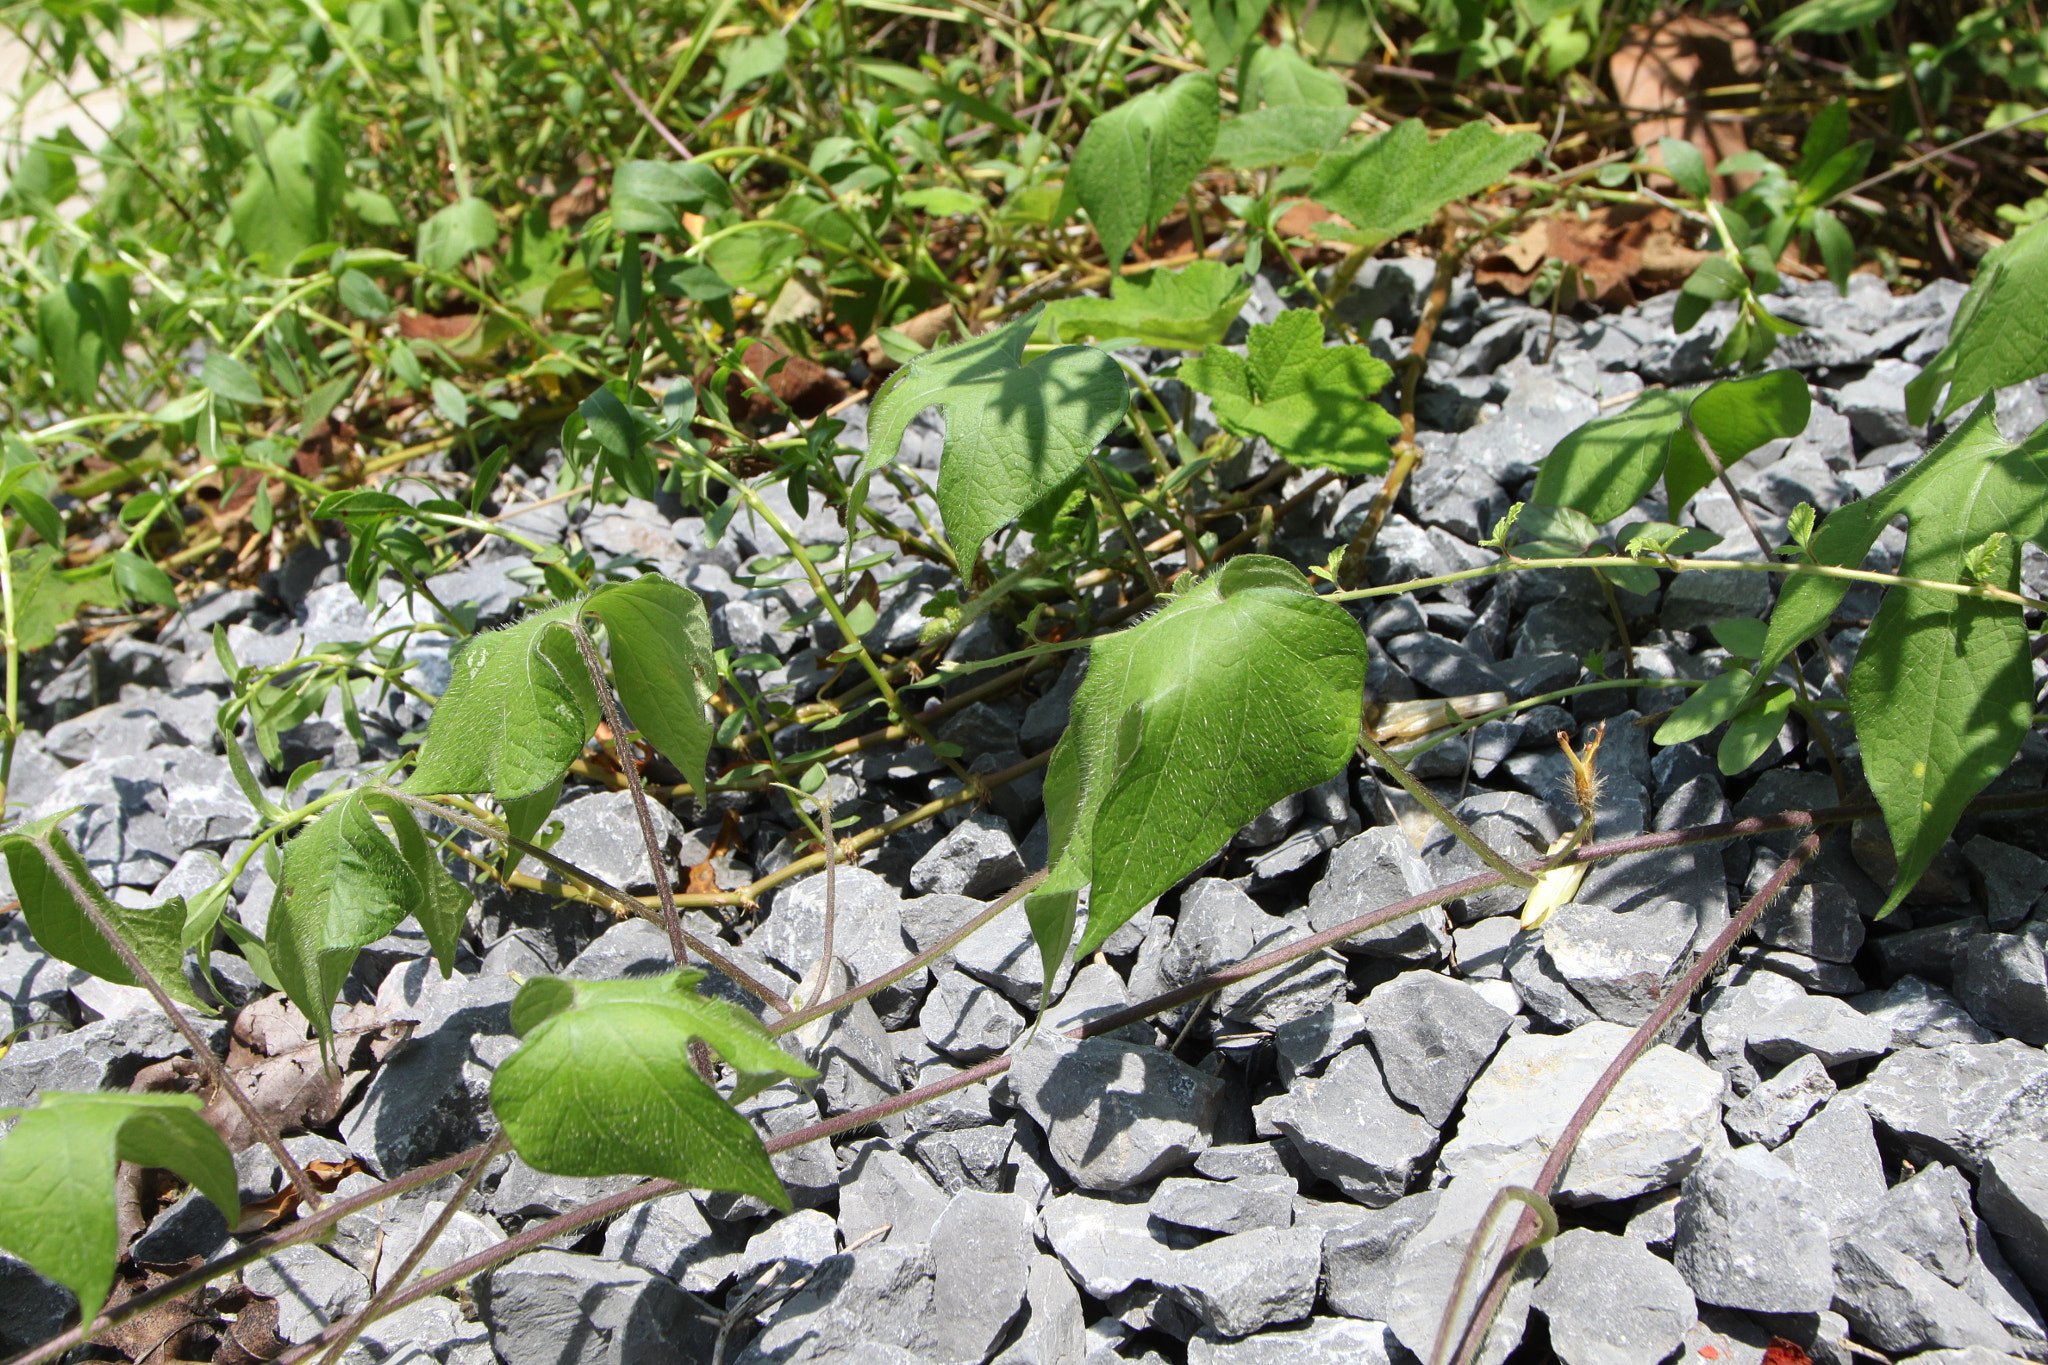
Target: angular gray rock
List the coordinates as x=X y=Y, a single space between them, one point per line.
x=880 y=1187
x=432 y=1096
x=1648 y=1135
x=1371 y=870
x=601 y=834
x=1115 y=1113
x=1322 y=1341
x=2013 y=1196
x=1242 y=1283
x=1921 y=1015
x=1609 y=1301
x=867 y=935
x=1426 y=1269
x=1359 y=1255
x=1958 y=1102
x=1303 y=1045
x=1108 y=1245
x=1619 y=962
x=312 y=1287
x=1769 y=1112
x=671 y=1237
x=1351 y=1132
x=2002 y=980
x=1835 y=1151
x=1818 y=919
x=874 y=1296
x=1432 y=1036
x=1752 y=1234
x=977 y=857
x=968 y=1020
x=1820 y=1026
x=2009 y=879
x=982 y=1253
x=795 y=1242
x=1054 y=1332
x=1745 y=995
x=1900 y=1306
x=1243 y=1204
x=32 y=1309
x=1003 y=955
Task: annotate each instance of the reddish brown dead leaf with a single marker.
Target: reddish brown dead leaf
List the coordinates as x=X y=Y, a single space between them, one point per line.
x=579 y=203
x=252 y=1337
x=426 y=326
x=326 y=1176
x=805 y=385
x=1662 y=71
x=1624 y=251
x=1783 y=1352
x=274 y=1058
x=1300 y=220
x=164 y=1333
x=925 y=329
x=702 y=879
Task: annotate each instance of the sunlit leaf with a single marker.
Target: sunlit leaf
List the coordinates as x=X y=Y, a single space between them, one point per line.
x=1136 y=161
x=1184 y=308
x=1313 y=402
x=1394 y=182
x=290 y=191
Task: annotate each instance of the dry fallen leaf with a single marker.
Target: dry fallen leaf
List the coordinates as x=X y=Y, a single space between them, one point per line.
x=702 y=879
x=165 y=1333
x=1662 y=69
x=1625 y=252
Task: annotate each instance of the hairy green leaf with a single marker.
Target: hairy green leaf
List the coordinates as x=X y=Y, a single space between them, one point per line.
x=1241 y=690
x=1281 y=76
x=290 y=190
x=662 y=664
x=518 y=709
x=1185 y=308
x=1014 y=432
x=346 y=884
x=49 y=878
x=57 y=1209
x=1225 y=27
x=1394 y=182
x=1719 y=702
x=1942 y=692
x=1313 y=402
x=1606 y=466
x=1279 y=136
x=2000 y=332
x=603 y=1083
x=44 y=598
x=1751 y=731
x=1136 y=161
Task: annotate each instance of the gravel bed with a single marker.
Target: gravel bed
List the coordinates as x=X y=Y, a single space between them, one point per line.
x=1840 y=1140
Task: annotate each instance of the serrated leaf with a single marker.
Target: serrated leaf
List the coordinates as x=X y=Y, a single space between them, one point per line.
x=290 y=191
x=1394 y=182
x=1183 y=309
x=1279 y=136
x=39 y=860
x=346 y=884
x=57 y=1208
x=2000 y=333
x=1136 y=161
x=1014 y=432
x=1242 y=690
x=662 y=665
x=518 y=709
x=1312 y=402
x=448 y=238
x=1942 y=691
x=603 y=1084
x=1606 y=466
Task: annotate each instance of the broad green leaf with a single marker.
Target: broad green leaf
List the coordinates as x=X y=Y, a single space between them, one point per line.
x=1394 y=182
x=362 y=295
x=750 y=59
x=1313 y=402
x=1185 y=308
x=40 y=860
x=1279 y=135
x=38 y=512
x=1830 y=16
x=662 y=664
x=80 y=326
x=518 y=709
x=1942 y=692
x=348 y=883
x=448 y=238
x=1136 y=161
x=451 y=402
x=1225 y=27
x=943 y=201
x=1751 y=732
x=1282 y=76
x=1606 y=466
x=1014 y=432
x=143 y=581
x=1685 y=165
x=223 y=374
x=2000 y=333
x=1719 y=702
x=290 y=191
x=603 y=1083
x=44 y=599
x=57 y=1209
x=1241 y=690
x=647 y=194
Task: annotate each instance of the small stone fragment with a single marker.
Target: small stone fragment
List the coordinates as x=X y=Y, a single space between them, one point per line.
x=577 y=1310
x=2013 y=1196
x=1432 y=1036
x=1770 y=1112
x=1241 y=1205
x=2002 y=979
x=1752 y=1234
x=1372 y=869
x=1359 y=1255
x=1921 y=1015
x=1322 y=1341
x=977 y=857
x=1054 y=1331
x=1821 y=1026
x=671 y=1236
x=1818 y=919
x=880 y=1187
x=1109 y=1245
x=982 y=1253
x=1239 y=1284
x=1351 y=1132
x=1609 y=1301
x=968 y=1020
x=1835 y=1151
x=1619 y=963
x=1956 y=1103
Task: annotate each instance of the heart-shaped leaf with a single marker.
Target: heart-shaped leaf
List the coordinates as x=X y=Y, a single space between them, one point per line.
x=1173 y=308
x=1394 y=182
x=2000 y=333
x=1014 y=432
x=1313 y=403
x=662 y=665
x=1136 y=161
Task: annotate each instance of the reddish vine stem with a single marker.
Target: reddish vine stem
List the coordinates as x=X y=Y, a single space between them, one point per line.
x=1526 y=1226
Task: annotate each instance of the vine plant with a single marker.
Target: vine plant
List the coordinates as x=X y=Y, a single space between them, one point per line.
x=1243 y=684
